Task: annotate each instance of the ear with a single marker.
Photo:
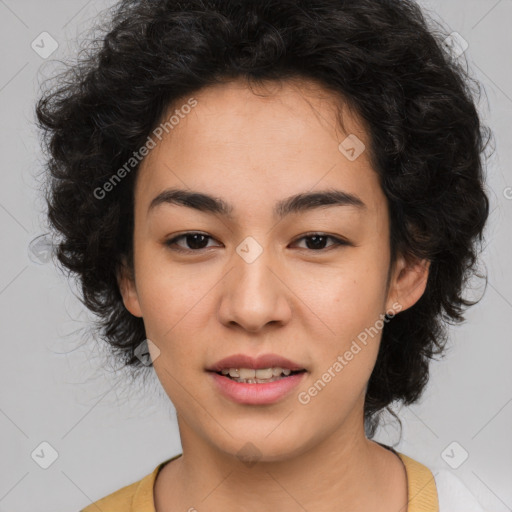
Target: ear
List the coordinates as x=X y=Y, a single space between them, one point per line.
x=408 y=283
x=126 y=283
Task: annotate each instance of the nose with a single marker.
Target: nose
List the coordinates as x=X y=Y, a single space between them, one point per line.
x=255 y=294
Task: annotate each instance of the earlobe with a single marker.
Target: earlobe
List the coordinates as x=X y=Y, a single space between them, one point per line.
x=126 y=283
x=409 y=282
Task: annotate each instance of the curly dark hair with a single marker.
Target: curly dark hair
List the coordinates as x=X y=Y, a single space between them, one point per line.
x=385 y=58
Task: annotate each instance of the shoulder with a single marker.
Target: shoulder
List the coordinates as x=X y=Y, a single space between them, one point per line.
x=438 y=484
x=137 y=496
x=118 y=501
x=453 y=495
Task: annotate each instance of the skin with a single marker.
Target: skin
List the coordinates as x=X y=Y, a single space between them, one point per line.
x=303 y=303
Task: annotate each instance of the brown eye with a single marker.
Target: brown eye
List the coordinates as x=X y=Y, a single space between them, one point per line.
x=194 y=242
x=317 y=241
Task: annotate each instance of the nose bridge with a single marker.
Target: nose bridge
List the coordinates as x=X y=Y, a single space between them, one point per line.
x=253 y=262
x=254 y=296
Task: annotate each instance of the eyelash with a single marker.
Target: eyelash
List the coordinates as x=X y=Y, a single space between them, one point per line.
x=171 y=242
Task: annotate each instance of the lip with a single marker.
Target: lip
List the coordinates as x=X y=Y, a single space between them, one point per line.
x=263 y=361
x=256 y=394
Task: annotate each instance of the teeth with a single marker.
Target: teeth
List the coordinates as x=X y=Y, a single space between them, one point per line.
x=251 y=375
x=246 y=373
x=258 y=381
x=265 y=373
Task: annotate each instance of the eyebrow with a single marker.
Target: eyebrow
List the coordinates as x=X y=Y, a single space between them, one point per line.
x=297 y=203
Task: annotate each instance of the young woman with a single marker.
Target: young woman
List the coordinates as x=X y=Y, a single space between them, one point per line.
x=280 y=201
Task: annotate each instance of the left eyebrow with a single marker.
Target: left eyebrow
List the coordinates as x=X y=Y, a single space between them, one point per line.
x=297 y=203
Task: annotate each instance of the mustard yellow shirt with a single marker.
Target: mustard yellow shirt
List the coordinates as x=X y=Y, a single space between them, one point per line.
x=138 y=497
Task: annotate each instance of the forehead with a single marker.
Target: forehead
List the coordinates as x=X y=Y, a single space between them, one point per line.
x=269 y=142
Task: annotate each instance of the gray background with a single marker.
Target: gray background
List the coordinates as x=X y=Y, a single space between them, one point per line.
x=55 y=388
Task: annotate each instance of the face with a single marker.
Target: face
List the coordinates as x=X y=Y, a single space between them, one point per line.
x=303 y=280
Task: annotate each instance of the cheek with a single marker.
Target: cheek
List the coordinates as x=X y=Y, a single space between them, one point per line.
x=175 y=306
x=350 y=296
x=350 y=302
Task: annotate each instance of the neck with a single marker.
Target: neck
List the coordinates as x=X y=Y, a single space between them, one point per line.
x=346 y=472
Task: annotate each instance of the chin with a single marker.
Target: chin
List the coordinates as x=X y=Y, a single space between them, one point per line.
x=255 y=447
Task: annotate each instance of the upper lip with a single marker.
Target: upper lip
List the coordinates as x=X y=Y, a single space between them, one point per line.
x=263 y=361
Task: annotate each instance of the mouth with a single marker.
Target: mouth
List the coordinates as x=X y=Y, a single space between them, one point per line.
x=245 y=387
x=261 y=380
x=258 y=376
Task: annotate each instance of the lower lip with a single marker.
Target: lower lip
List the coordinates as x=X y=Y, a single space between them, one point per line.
x=256 y=394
